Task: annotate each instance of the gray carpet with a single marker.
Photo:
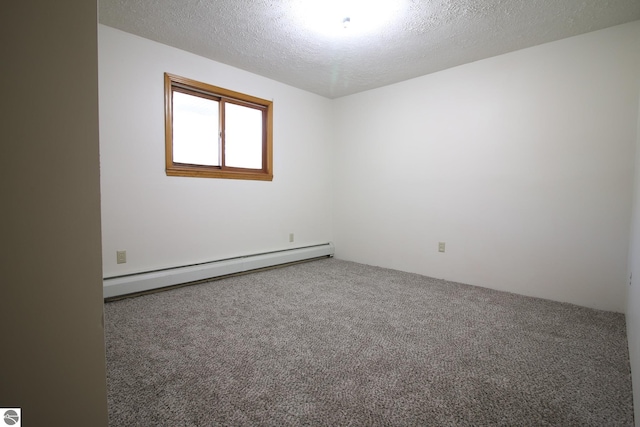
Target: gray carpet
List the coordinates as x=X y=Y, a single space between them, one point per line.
x=337 y=343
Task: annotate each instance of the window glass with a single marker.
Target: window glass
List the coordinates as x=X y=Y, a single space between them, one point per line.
x=243 y=136
x=195 y=130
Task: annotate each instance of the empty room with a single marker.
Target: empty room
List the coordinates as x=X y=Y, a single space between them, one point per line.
x=487 y=144
x=344 y=213
x=458 y=142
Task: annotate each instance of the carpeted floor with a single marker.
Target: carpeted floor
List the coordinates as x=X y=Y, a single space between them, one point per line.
x=337 y=343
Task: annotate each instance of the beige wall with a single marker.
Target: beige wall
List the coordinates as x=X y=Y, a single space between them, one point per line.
x=52 y=355
x=633 y=301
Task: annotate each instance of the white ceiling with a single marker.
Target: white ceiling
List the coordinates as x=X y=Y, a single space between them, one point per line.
x=276 y=39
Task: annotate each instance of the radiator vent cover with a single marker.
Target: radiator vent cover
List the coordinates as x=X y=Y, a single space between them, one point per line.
x=141 y=282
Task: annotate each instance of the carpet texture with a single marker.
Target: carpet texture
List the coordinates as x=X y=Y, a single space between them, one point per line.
x=337 y=343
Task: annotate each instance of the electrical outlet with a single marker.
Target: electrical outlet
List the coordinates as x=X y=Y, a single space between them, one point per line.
x=441 y=247
x=121 y=257
x=291 y=237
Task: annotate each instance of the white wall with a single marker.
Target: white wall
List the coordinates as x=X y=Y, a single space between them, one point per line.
x=53 y=362
x=633 y=301
x=171 y=221
x=521 y=163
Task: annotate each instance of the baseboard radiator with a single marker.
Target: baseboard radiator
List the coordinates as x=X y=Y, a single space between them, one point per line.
x=141 y=282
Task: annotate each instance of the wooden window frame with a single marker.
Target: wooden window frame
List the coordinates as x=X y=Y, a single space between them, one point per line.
x=192 y=87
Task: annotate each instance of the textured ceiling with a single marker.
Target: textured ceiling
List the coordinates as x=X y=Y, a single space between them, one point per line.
x=280 y=39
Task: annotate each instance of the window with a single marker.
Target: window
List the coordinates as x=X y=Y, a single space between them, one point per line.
x=216 y=133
